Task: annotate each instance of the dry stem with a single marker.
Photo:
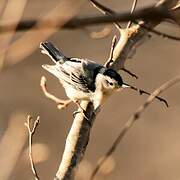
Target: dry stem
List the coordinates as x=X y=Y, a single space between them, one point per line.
x=60 y=103
x=31 y=131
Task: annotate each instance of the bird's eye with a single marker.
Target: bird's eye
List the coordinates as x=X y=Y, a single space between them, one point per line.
x=110 y=83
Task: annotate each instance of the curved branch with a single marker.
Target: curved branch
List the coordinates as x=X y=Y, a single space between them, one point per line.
x=131 y=122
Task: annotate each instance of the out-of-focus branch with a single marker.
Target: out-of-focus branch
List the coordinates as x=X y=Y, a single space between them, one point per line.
x=31 y=131
x=12 y=143
x=148 y=13
x=30 y=40
x=131 y=122
x=5 y=39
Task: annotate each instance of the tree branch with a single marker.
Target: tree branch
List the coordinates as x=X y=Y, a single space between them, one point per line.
x=78 y=136
x=131 y=122
x=31 y=131
x=148 y=13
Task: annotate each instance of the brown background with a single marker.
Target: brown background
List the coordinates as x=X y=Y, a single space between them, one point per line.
x=150 y=150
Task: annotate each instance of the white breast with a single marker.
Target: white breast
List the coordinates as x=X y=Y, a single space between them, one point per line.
x=74 y=94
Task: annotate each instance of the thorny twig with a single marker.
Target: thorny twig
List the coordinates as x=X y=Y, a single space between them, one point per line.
x=31 y=131
x=135 y=116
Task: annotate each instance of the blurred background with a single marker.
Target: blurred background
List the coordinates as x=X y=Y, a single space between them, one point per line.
x=151 y=148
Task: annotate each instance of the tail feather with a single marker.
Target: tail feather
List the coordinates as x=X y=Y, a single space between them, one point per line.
x=49 y=49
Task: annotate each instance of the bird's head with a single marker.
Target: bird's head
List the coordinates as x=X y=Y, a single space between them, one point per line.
x=111 y=80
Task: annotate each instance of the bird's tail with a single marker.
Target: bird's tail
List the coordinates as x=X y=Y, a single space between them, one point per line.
x=49 y=49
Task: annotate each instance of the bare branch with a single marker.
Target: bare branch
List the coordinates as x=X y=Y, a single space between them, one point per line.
x=148 y=13
x=30 y=39
x=141 y=91
x=162 y=34
x=31 y=131
x=76 y=143
x=129 y=72
x=132 y=120
x=105 y=10
x=110 y=60
x=132 y=10
x=60 y=103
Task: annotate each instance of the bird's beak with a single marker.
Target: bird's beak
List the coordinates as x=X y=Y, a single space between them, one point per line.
x=125 y=86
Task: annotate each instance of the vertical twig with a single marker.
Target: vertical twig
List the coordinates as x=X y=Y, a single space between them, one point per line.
x=110 y=60
x=132 y=10
x=31 y=132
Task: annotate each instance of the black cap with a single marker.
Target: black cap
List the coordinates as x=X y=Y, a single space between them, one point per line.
x=113 y=74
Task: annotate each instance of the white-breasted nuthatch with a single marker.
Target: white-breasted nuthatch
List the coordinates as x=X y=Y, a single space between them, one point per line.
x=82 y=79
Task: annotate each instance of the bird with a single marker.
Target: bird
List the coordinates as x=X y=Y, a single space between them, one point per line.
x=84 y=79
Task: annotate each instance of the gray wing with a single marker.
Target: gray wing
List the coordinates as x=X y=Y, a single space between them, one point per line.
x=80 y=73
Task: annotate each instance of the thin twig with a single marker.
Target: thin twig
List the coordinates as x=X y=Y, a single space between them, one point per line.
x=60 y=103
x=132 y=10
x=31 y=131
x=110 y=60
x=130 y=73
x=162 y=34
x=132 y=120
x=141 y=91
x=105 y=10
